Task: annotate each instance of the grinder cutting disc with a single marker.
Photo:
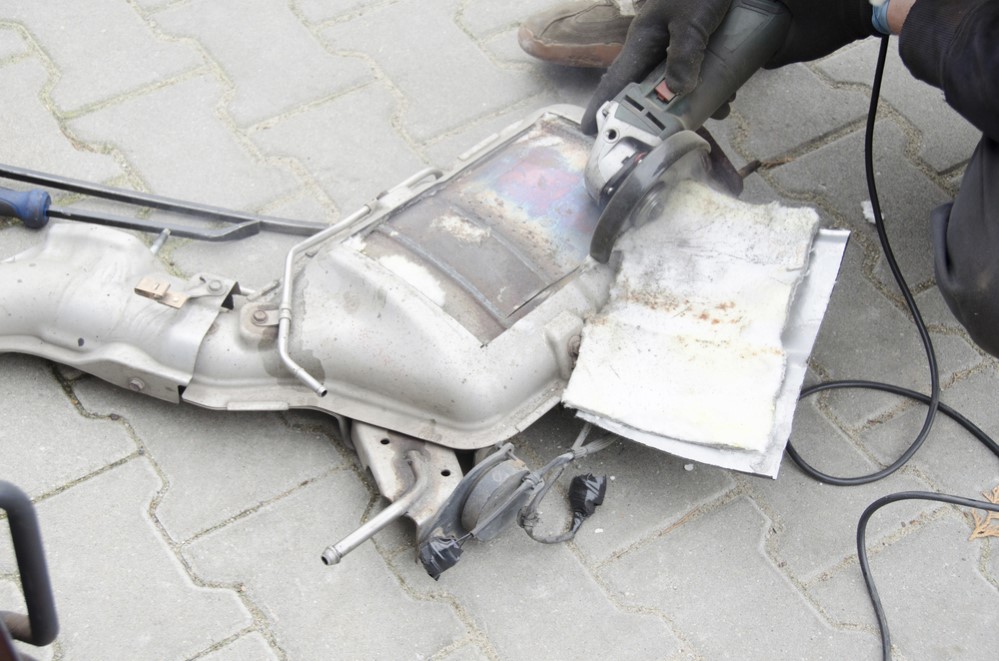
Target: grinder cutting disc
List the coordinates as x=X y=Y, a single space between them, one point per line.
x=683 y=155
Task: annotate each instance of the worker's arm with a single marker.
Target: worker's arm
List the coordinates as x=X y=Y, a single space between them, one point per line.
x=678 y=30
x=898 y=10
x=954 y=45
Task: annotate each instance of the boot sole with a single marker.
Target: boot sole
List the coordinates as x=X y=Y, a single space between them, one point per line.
x=591 y=56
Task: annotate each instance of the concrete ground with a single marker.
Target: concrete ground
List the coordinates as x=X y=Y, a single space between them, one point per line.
x=178 y=533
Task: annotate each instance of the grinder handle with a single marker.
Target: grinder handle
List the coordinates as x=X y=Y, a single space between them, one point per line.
x=31 y=207
x=749 y=35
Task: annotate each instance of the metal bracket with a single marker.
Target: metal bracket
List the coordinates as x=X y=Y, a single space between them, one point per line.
x=158 y=289
x=264 y=317
x=417 y=476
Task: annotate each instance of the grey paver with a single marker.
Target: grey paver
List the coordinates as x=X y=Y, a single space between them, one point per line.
x=13 y=601
x=912 y=574
x=487 y=17
x=795 y=502
x=507 y=584
x=639 y=501
x=435 y=102
x=194 y=152
x=317 y=11
x=361 y=153
x=946 y=138
x=951 y=457
x=112 y=50
x=46 y=442
x=251 y=647
x=106 y=556
x=861 y=322
x=253 y=262
x=319 y=612
x=175 y=532
x=217 y=475
x=934 y=310
x=907 y=196
x=707 y=575
x=12 y=44
x=34 y=138
x=787 y=109
x=467 y=652
x=277 y=41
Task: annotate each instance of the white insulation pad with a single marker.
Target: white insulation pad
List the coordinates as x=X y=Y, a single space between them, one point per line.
x=702 y=347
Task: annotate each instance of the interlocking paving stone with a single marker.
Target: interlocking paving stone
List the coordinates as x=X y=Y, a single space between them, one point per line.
x=11 y=44
x=934 y=310
x=253 y=262
x=796 y=502
x=106 y=556
x=646 y=489
x=349 y=144
x=12 y=600
x=33 y=138
x=102 y=49
x=951 y=457
x=947 y=139
x=864 y=336
x=677 y=563
x=354 y=610
x=46 y=442
x=912 y=575
x=486 y=17
x=417 y=66
x=907 y=196
x=317 y=11
x=712 y=580
x=251 y=647
x=275 y=41
x=194 y=155
x=640 y=501
x=786 y=109
x=466 y=653
x=510 y=585
x=217 y=464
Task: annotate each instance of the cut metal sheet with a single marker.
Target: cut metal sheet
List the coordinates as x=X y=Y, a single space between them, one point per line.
x=700 y=351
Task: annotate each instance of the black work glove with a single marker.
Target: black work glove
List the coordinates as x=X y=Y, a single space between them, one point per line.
x=679 y=30
x=819 y=27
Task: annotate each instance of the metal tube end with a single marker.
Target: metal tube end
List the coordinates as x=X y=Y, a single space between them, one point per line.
x=331 y=556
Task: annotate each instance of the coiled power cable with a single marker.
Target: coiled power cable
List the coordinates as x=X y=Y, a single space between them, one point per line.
x=932 y=401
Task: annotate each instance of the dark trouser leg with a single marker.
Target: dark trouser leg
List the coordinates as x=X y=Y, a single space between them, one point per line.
x=966 y=248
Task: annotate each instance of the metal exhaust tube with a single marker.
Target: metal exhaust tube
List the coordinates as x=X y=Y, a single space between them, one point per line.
x=334 y=553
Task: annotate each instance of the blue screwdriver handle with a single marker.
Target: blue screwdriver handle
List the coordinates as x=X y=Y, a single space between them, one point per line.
x=32 y=206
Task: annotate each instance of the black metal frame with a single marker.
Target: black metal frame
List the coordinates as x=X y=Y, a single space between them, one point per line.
x=41 y=625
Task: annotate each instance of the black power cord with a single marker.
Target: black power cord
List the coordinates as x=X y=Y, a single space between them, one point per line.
x=932 y=400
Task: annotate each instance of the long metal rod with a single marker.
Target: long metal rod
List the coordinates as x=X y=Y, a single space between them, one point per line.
x=334 y=553
x=287 y=290
x=229 y=233
x=287 y=284
x=40 y=626
x=268 y=223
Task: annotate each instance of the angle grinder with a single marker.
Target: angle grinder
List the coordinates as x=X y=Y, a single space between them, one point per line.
x=646 y=138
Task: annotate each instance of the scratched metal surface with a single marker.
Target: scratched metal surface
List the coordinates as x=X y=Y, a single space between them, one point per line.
x=504 y=233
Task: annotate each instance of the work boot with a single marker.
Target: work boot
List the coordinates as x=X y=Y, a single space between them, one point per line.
x=589 y=33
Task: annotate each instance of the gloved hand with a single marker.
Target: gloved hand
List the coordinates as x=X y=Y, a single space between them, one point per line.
x=680 y=30
x=677 y=30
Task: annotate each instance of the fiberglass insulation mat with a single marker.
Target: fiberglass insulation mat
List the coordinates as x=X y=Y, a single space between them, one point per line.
x=688 y=346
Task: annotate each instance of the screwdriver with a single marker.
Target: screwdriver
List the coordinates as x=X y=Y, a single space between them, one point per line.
x=34 y=208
